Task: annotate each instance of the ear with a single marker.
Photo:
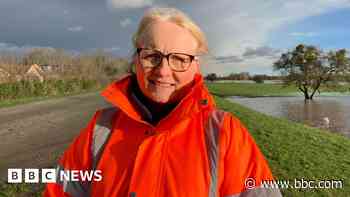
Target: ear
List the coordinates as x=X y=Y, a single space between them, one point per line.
x=135 y=62
x=196 y=64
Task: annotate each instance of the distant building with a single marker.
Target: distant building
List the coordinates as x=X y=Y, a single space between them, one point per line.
x=51 y=68
x=52 y=71
x=4 y=75
x=35 y=72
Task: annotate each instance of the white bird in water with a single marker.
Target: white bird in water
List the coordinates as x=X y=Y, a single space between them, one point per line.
x=326 y=121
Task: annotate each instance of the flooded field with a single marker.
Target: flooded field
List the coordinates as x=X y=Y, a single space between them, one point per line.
x=331 y=112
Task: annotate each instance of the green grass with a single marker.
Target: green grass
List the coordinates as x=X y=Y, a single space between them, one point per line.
x=18 y=101
x=33 y=88
x=256 y=90
x=22 y=92
x=21 y=189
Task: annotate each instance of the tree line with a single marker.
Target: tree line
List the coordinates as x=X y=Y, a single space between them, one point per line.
x=98 y=64
x=258 y=78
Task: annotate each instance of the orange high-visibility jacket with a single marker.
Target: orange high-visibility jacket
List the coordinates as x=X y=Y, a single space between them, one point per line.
x=196 y=150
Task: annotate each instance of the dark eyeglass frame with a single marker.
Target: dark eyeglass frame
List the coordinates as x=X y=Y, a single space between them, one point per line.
x=192 y=57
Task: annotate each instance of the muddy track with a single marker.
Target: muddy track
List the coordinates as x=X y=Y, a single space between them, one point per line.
x=33 y=135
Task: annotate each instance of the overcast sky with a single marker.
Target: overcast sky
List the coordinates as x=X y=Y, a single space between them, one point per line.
x=243 y=35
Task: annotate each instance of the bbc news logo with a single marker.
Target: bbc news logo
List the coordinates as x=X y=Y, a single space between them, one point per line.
x=51 y=175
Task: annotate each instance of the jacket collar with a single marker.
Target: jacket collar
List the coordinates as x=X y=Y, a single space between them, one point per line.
x=120 y=95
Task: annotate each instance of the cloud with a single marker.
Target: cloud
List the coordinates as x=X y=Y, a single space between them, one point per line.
x=243 y=28
x=125 y=22
x=263 y=51
x=3 y=45
x=129 y=3
x=227 y=59
x=237 y=31
x=256 y=65
x=303 y=34
x=237 y=25
x=12 y=48
x=8 y=47
x=75 y=29
x=113 y=49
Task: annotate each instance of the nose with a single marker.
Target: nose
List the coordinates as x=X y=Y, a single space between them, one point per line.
x=163 y=69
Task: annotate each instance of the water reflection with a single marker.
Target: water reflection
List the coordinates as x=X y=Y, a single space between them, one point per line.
x=332 y=113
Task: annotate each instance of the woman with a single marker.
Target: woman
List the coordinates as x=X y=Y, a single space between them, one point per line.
x=164 y=136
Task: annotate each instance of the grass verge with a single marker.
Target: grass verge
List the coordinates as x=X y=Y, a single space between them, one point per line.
x=28 y=91
x=18 y=101
x=256 y=90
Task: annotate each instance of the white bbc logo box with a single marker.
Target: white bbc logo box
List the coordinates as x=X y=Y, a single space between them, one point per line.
x=14 y=175
x=31 y=175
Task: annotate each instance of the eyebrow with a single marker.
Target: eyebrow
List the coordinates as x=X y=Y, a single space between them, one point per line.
x=178 y=52
x=152 y=45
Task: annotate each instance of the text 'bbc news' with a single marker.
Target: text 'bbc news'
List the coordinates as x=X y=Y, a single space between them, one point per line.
x=51 y=175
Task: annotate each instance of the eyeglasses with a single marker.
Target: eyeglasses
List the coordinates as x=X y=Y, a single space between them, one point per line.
x=151 y=58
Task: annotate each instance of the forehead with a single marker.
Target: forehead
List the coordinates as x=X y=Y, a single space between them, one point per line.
x=169 y=37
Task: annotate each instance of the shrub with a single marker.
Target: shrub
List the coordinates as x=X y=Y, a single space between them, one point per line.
x=34 y=88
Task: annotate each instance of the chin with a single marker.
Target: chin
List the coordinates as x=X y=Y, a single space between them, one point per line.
x=163 y=99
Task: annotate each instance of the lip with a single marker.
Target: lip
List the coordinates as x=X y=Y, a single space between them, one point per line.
x=161 y=83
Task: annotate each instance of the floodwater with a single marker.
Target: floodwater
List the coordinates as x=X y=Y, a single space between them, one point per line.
x=331 y=112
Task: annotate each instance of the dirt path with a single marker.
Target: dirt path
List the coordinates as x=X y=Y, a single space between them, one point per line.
x=33 y=135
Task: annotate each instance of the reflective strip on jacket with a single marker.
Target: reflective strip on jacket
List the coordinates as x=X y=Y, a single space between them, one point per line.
x=196 y=150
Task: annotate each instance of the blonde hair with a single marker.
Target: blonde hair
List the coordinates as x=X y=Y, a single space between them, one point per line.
x=171 y=15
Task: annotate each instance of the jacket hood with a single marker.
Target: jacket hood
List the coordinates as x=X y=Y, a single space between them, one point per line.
x=119 y=94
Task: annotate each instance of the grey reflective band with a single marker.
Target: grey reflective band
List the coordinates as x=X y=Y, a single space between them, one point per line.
x=73 y=188
x=212 y=131
x=259 y=192
x=101 y=133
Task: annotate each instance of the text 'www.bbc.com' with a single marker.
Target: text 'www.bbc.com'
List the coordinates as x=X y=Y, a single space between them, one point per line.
x=251 y=183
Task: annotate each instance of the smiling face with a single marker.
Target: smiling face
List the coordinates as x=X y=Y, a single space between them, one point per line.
x=161 y=84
